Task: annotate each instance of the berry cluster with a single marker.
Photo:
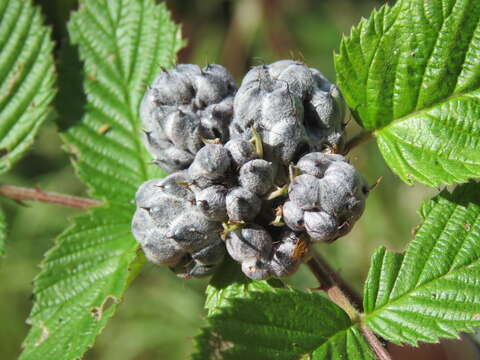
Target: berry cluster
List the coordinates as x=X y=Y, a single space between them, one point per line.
x=254 y=170
x=184 y=106
x=173 y=231
x=326 y=198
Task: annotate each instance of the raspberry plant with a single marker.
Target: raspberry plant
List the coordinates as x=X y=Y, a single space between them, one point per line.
x=410 y=77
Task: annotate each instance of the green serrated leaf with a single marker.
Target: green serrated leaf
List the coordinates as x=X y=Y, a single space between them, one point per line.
x=27 y=78
x=123 y=44
x=3 y=232
x=83 y=279
x=348 y=344
x=228 y=282
x=431 y=291
x=411 y=74
x=278 y=323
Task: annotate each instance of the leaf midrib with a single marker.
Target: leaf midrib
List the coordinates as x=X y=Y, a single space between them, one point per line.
x=407 y=117
x=415 y=289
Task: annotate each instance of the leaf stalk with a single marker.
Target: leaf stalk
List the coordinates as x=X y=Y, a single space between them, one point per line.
x=357 y=140
x=336 y=288
x=344 y=296
x=380 y=351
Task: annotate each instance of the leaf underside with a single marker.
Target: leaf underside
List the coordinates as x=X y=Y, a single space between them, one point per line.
x=255 y=320
x=432 y=291
x=411 y=74
x=27 y=78
x=123 y=44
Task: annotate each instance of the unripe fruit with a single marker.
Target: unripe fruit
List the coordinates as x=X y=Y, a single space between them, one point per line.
x=316 y=163
x=241 y=151
x=332 y=194
x=212 y=254
x=249 y=242
x=158 y=249
x=293 y=216
x=242 y=205
x=212 y=202
x=256 y=269
x=305 y=191
x=321 y=226
x=216 y=120
x=181 y=127
x=257 y=176
x=210 y=166
x=172 y=159
x=175 y=184
x=192 y=231
x=164 y=252
x=292 y=250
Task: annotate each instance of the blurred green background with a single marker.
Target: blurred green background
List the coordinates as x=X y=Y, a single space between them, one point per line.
x=160 y=313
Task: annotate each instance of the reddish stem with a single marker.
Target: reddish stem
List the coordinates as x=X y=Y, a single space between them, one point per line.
x=19 y=193
x=380 y=351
